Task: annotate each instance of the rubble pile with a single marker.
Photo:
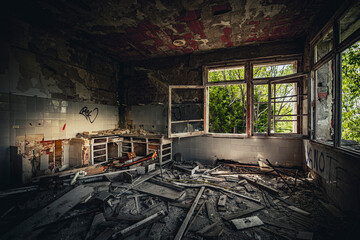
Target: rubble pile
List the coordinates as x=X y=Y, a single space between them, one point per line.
x=174 y=201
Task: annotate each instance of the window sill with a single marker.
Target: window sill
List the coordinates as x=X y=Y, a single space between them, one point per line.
x=258 y=136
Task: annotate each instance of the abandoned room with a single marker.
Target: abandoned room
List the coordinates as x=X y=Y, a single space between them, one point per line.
x=183 y=119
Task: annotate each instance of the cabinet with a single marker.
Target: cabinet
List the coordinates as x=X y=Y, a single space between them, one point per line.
x=100 y=148
x=144 y=145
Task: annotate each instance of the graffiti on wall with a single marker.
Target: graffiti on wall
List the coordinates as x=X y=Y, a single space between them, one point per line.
x=334 y=169
x=90 y=115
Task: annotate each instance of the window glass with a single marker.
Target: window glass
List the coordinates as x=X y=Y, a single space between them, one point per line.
x=324 y=46
x=350 y=22
x=187 y=110
x=324 y=103
x=227 y=109
x=261 y=94
x=284 y=108
x=351 y=97
x=227 y=74
x=267 y=71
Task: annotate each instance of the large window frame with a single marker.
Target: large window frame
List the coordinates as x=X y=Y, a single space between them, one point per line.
x=298 y=78
x=334 y=56
x=250 y=81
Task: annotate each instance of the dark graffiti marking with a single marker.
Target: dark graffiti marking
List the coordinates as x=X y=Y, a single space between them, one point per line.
x=90 y=115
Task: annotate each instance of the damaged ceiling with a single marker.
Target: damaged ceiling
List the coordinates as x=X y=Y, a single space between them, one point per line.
x=139 y=29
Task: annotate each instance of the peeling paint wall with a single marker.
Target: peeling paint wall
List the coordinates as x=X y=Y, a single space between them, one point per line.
x=51 y=87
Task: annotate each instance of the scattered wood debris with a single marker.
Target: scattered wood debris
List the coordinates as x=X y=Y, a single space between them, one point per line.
x=176 y=201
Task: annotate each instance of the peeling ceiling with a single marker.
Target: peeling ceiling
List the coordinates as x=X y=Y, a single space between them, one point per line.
x=139 y=29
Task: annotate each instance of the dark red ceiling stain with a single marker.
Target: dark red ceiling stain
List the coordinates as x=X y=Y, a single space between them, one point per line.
x=227 y=37
x=180 y=28
x=197 y=28
x=189 y=16
x=220 y=9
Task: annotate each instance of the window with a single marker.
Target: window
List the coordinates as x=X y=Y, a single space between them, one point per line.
x=350 y=135
x=324 y=129
x=284 y=108
x=278 y=70
x=336 y=81
x=324 y=46
x=227 y=108
x=186 y=111
x=261 y=95
x=227 y=74
x=231 y=106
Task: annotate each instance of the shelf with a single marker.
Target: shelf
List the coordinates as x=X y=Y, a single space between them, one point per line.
x=101 y=149
x=104 y=155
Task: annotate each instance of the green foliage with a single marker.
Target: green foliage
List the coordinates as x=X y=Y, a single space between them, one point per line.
x=227 y=104
x=351 y=93
x=227 y=75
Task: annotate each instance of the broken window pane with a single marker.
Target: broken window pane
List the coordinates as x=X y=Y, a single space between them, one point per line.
x=350 y=22
x=324 y=103
x=284 y=108
x=187 y=110
x=227 y=109
x=261 y=94
x=227 y=74
x=324 y=46
x=267 y=71
x=351 y=97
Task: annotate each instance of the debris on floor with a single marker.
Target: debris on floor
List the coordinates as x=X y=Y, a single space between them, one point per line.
x=172 y=201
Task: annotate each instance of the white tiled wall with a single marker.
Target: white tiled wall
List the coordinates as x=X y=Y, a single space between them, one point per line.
x=57 y=119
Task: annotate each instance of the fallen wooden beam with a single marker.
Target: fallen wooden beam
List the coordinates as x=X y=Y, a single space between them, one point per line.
x=188 y=216
x=219 y=188
x=139 y=225
x=194 y=218
x=260 y=185
x=49 y=214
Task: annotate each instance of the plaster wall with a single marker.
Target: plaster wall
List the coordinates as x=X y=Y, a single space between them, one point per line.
x=339 y=171
x=206 y=149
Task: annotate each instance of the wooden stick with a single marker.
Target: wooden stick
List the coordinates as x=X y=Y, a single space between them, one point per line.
x=188 y=216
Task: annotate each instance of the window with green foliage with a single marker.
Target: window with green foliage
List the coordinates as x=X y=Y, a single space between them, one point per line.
x=227 y=108
x=261 y=94
x=227 y=74
x=227 y=90
x=351 y=96
x=268 y=71
x=284 y=108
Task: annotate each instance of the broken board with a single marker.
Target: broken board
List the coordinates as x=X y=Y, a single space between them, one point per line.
x=244 y=223
x=49 y=214
x=157 y=190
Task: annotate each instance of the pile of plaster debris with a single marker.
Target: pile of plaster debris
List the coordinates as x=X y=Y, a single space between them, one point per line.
x=174 y=201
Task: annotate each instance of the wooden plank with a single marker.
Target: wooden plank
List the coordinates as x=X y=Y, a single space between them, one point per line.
x=139 y=225
x=298 y=210
x=260 y=185
x=160 y=191
x=243 y=213
x=49 y=214
x=193 y=220
x=188 y=216
x=210 y=210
